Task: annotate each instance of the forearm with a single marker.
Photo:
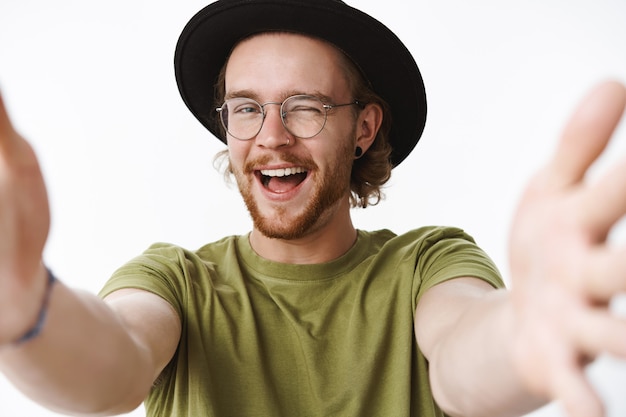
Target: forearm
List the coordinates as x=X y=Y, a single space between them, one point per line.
x=84 y=361
x=472 y=369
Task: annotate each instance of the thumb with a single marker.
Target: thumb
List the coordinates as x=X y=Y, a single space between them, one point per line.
x=7 y=132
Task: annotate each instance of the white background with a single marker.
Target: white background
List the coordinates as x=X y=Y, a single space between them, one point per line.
x=91 y=85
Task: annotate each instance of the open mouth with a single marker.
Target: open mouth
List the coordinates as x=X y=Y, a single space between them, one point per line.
x=282 y=180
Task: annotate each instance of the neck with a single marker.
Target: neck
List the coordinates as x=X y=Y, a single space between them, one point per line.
x=328 y=241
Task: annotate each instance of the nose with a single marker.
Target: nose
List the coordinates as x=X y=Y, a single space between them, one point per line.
x=273 y=133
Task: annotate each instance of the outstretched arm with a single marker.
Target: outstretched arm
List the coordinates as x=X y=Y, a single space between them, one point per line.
x=91 y=357
x=504 y=353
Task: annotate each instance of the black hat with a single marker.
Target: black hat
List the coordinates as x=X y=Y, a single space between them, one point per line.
x=209 y=37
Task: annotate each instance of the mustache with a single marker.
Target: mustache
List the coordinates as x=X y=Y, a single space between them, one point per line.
x=252 y=165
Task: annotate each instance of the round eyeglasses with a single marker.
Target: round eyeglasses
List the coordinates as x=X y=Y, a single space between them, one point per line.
x=303 y=116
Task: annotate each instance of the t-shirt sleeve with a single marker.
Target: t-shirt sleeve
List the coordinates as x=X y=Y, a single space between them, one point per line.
x=444 y=253
x=163 y=269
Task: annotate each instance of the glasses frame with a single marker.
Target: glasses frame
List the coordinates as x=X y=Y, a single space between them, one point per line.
x=327 y=107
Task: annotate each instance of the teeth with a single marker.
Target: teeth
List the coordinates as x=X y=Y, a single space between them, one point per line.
x=282 y=172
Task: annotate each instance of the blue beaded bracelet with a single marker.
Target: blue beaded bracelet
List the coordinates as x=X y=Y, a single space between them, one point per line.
x=43 y=312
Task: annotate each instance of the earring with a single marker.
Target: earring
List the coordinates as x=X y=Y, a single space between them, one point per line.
x=358 y=152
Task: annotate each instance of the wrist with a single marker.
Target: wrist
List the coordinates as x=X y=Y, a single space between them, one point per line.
x=34 y=330
x=24 y=298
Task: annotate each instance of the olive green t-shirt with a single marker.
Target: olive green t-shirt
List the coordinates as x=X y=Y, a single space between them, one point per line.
x=261 y=338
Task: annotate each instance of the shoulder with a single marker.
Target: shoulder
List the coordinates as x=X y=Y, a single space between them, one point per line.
x=170 y=270
x=420 y=239
x=427 y=251
x=163 y=256
x=434 y=254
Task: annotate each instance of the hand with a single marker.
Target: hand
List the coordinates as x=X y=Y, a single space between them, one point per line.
x=24 y=225
x=564 y=272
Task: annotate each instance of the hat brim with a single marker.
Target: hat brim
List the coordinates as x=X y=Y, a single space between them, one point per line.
x=209 y=37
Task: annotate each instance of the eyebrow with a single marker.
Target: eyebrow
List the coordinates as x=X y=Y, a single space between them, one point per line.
x=254 y=96
x=242 y=93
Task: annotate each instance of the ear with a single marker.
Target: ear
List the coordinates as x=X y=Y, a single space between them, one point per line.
x=368 y=124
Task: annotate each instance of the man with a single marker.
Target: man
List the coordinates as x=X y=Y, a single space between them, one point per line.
x=306 y=315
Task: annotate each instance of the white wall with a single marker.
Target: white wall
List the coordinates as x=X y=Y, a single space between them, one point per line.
x=91 y=85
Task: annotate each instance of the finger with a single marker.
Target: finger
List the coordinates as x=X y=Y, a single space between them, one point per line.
x=598 y=331
x=603 y=273
x=5 y=122
x=587 y=133
x=7 y=133
x=574 y=392
x=604 y=202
